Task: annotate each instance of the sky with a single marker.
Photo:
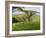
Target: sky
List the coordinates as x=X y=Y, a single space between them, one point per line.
x=15 y=11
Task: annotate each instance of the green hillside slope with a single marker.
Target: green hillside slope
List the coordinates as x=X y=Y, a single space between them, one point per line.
x=24 y=24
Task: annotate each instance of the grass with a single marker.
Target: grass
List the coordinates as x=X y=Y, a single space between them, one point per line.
x=34 y=24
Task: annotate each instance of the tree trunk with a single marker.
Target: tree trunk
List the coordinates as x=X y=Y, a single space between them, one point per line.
x=29 y=18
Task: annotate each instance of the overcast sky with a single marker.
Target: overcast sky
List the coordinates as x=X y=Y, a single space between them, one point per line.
x=33 y=8
x=15 y=11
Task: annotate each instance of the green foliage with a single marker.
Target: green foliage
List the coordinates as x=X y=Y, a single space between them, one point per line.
x=21 y=17
x=34 y=24
x=27 y=21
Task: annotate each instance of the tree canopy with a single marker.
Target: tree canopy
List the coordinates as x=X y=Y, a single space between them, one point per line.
x=29 y=13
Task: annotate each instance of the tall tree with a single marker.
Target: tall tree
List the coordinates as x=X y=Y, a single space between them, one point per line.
x=29 y=13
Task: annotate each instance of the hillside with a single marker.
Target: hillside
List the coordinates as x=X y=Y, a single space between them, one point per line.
x=24 y=24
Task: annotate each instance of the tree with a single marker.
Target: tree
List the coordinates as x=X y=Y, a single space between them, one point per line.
x=29 y=13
